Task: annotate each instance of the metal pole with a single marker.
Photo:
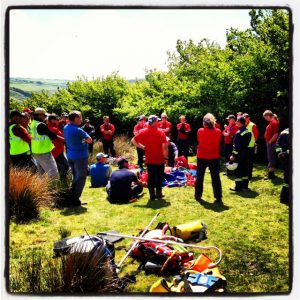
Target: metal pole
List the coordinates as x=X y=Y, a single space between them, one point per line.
x=170 y=243
x=136 y=242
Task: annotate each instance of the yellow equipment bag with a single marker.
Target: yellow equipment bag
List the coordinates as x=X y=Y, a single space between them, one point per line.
x=192 y=230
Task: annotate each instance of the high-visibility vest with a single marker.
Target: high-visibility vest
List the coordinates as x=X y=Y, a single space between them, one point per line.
x=17 y=145
x=40 y=144
x=252 y=141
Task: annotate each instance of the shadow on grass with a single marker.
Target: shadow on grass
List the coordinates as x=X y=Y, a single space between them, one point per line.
x=76 y=210
x=217 y=207
x=246 y=194
x=256 y=178
x=155 y=204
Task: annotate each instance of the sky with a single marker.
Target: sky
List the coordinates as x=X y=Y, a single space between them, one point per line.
x=66 y=43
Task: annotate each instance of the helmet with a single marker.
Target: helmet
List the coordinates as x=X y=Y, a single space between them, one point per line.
x=231 y=166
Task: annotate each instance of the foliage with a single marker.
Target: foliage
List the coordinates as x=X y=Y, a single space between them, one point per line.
x=28 y=192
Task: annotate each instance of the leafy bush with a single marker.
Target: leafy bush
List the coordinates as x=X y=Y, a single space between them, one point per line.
x=28 y=192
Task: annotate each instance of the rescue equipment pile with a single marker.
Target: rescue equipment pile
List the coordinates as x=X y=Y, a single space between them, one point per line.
x=161 y=254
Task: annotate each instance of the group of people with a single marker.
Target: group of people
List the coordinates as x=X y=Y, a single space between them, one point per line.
x=41 y=140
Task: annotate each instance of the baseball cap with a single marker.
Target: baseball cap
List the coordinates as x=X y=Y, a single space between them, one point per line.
x=40 y=110
x=241 y=120
x=87 y=120
x=141 y=118
x=230 y=117
x=121 y=161
x=152 y=119
x=101 y=155
x=27 y=109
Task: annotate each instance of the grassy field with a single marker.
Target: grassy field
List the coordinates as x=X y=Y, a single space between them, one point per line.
x=251 y=229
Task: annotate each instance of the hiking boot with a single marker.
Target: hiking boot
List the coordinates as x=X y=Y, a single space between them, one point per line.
x=270 y=175
x=152 y=197
x=218 y=201
x=160 y=196
x=234 y=189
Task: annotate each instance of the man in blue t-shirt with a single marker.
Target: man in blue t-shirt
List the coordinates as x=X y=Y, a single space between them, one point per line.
x=77 y=141
x=100 y=171
x=123 y=185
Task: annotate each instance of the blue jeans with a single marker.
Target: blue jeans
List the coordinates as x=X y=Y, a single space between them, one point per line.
x=79 y=169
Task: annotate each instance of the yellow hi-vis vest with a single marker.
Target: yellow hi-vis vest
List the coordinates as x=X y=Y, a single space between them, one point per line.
x=40 y=144
x=17 y=145
x=252 y=141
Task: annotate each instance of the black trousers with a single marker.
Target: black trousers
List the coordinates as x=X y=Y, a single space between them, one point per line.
x=22 y=161
x=250 y=161
x=62 y=165
x=214 y=167
x=241 y=172
x=183 y=148
x=109 y=146
x=155 y=178
x=284 y=195
x=91 y=146
x=227 y=151
x=140 y=154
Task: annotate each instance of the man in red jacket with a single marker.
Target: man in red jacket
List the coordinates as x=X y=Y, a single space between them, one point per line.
x=165 y=125
x=154 y=142
x=183 y=130
x=271 y=135
x=59 y=147
x=141 y=124
x=107 y=131
x=208 y=155
x=228 y=133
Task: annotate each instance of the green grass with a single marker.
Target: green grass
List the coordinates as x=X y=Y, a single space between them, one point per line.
x=251 y=229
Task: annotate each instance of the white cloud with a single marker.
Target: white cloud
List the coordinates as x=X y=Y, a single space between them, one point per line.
x=65 y=44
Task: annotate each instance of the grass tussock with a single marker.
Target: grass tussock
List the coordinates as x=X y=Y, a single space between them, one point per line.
x=37 y=272
x=28 y=193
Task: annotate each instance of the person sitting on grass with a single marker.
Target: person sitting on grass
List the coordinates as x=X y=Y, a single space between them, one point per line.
x=100 y=171
x=123 y=185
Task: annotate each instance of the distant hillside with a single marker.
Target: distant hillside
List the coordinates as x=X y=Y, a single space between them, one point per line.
x=22 y=88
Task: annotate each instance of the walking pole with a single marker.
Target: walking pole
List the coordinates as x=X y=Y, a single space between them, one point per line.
x=170 y=243
x=135 y=243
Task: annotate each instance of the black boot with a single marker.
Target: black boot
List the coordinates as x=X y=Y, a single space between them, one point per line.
x=245 y=184
x=270 y=175
x=284 y=195
x=238 y=186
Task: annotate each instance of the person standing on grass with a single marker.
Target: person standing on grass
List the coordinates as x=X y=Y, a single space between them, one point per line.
x=240 y=153
x=100 y=171
x=123 y=185
x=59 y=147
x=208 y=155
x=90 y=130
x=283 y=152
x=107 y=131
x=154 y=142
x=271 y=135
x=41 y=144
x=228 y=133
x=141 y=124
x=165 y=125
x=252 y=145
x=183 y=130
x=77 y=141
x=19 y=140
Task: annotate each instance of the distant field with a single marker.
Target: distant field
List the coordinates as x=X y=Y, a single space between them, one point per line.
x=21 y=88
